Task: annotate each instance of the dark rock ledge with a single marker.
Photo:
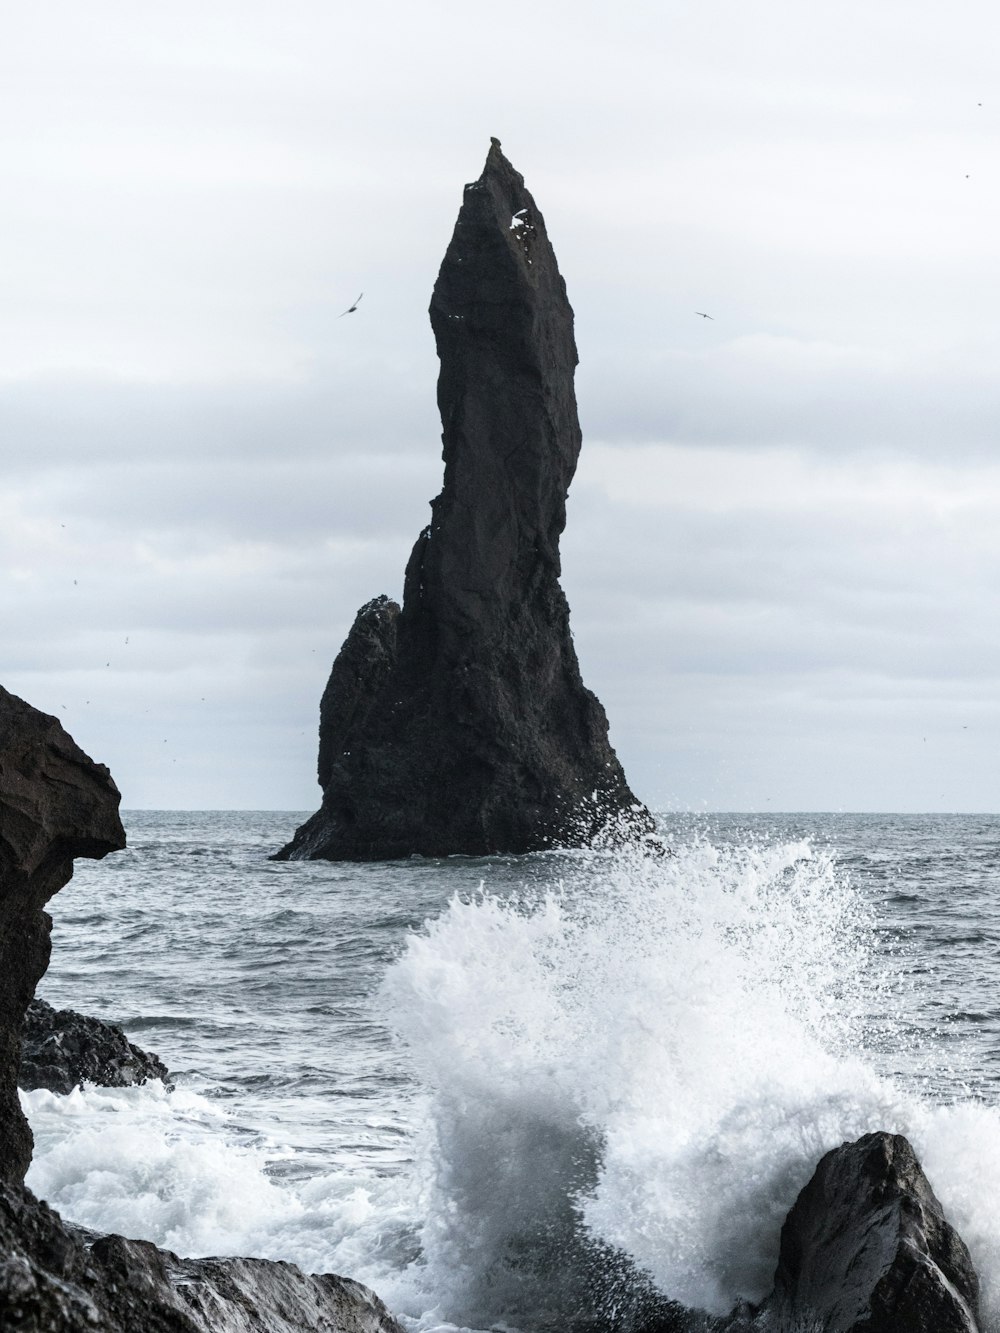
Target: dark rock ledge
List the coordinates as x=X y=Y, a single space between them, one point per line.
x=59 y=1279
x=459 y=723
x=60 y=1049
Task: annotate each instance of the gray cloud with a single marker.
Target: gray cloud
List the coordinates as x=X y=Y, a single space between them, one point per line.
x=780 y=556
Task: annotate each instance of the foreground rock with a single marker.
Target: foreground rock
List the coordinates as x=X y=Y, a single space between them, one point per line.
x=61 y=1049
x=59 y=1280
x=867 y=1249
x=460 y=723
x=55 y=804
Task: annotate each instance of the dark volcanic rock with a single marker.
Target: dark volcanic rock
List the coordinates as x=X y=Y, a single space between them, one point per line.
x=61 y=1049
x=866 y=1249
x=460 y=724
x=55 y=804
x=55 y=1279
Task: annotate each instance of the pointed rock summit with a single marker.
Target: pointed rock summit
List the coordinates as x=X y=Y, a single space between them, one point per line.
x=460 y=723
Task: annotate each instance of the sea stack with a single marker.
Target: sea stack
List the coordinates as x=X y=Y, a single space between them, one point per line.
x=460 y=724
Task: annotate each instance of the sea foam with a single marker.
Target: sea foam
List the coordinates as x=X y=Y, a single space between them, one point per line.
x=179 y=1170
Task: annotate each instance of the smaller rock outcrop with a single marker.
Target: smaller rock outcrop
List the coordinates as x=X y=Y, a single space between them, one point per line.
x=55 y=1279
x=866 y=1248
x=61 y=1049
x=359 y=672
x=55 y=804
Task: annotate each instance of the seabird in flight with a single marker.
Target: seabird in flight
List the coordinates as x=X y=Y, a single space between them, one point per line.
x=350 y=309
x=703 y=315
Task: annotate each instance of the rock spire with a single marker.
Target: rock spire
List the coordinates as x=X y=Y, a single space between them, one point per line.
x=460 y=723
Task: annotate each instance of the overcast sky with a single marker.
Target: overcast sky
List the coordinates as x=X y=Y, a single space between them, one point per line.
x=783 y=549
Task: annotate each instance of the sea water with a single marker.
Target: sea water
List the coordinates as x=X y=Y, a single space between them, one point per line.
x=475 y=1084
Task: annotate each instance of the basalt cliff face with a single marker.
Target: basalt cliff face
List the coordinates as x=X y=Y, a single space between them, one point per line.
x=460 y=723
x=55 y=804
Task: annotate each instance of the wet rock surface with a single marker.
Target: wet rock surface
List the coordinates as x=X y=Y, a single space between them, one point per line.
x=61 y=1049
x=55 y=804
x=57 y=1279
x=867 y=1249
x=460 y=722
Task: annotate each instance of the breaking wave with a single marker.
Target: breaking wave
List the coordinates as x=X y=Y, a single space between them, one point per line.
x=648 y=1063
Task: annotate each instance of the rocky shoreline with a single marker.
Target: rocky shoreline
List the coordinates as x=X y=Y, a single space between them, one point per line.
x=865 y=1249
x=57 y=804
x=56 y=1278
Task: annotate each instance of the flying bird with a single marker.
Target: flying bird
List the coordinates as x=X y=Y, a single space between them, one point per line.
x=703 y=315
x=350 y=309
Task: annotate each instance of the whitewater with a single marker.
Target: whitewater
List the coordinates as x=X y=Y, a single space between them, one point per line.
x=510 y=1091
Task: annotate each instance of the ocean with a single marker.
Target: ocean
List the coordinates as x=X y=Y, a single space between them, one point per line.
x=473 y=1084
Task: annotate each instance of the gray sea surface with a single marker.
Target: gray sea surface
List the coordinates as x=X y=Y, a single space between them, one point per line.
x=421 y=1072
